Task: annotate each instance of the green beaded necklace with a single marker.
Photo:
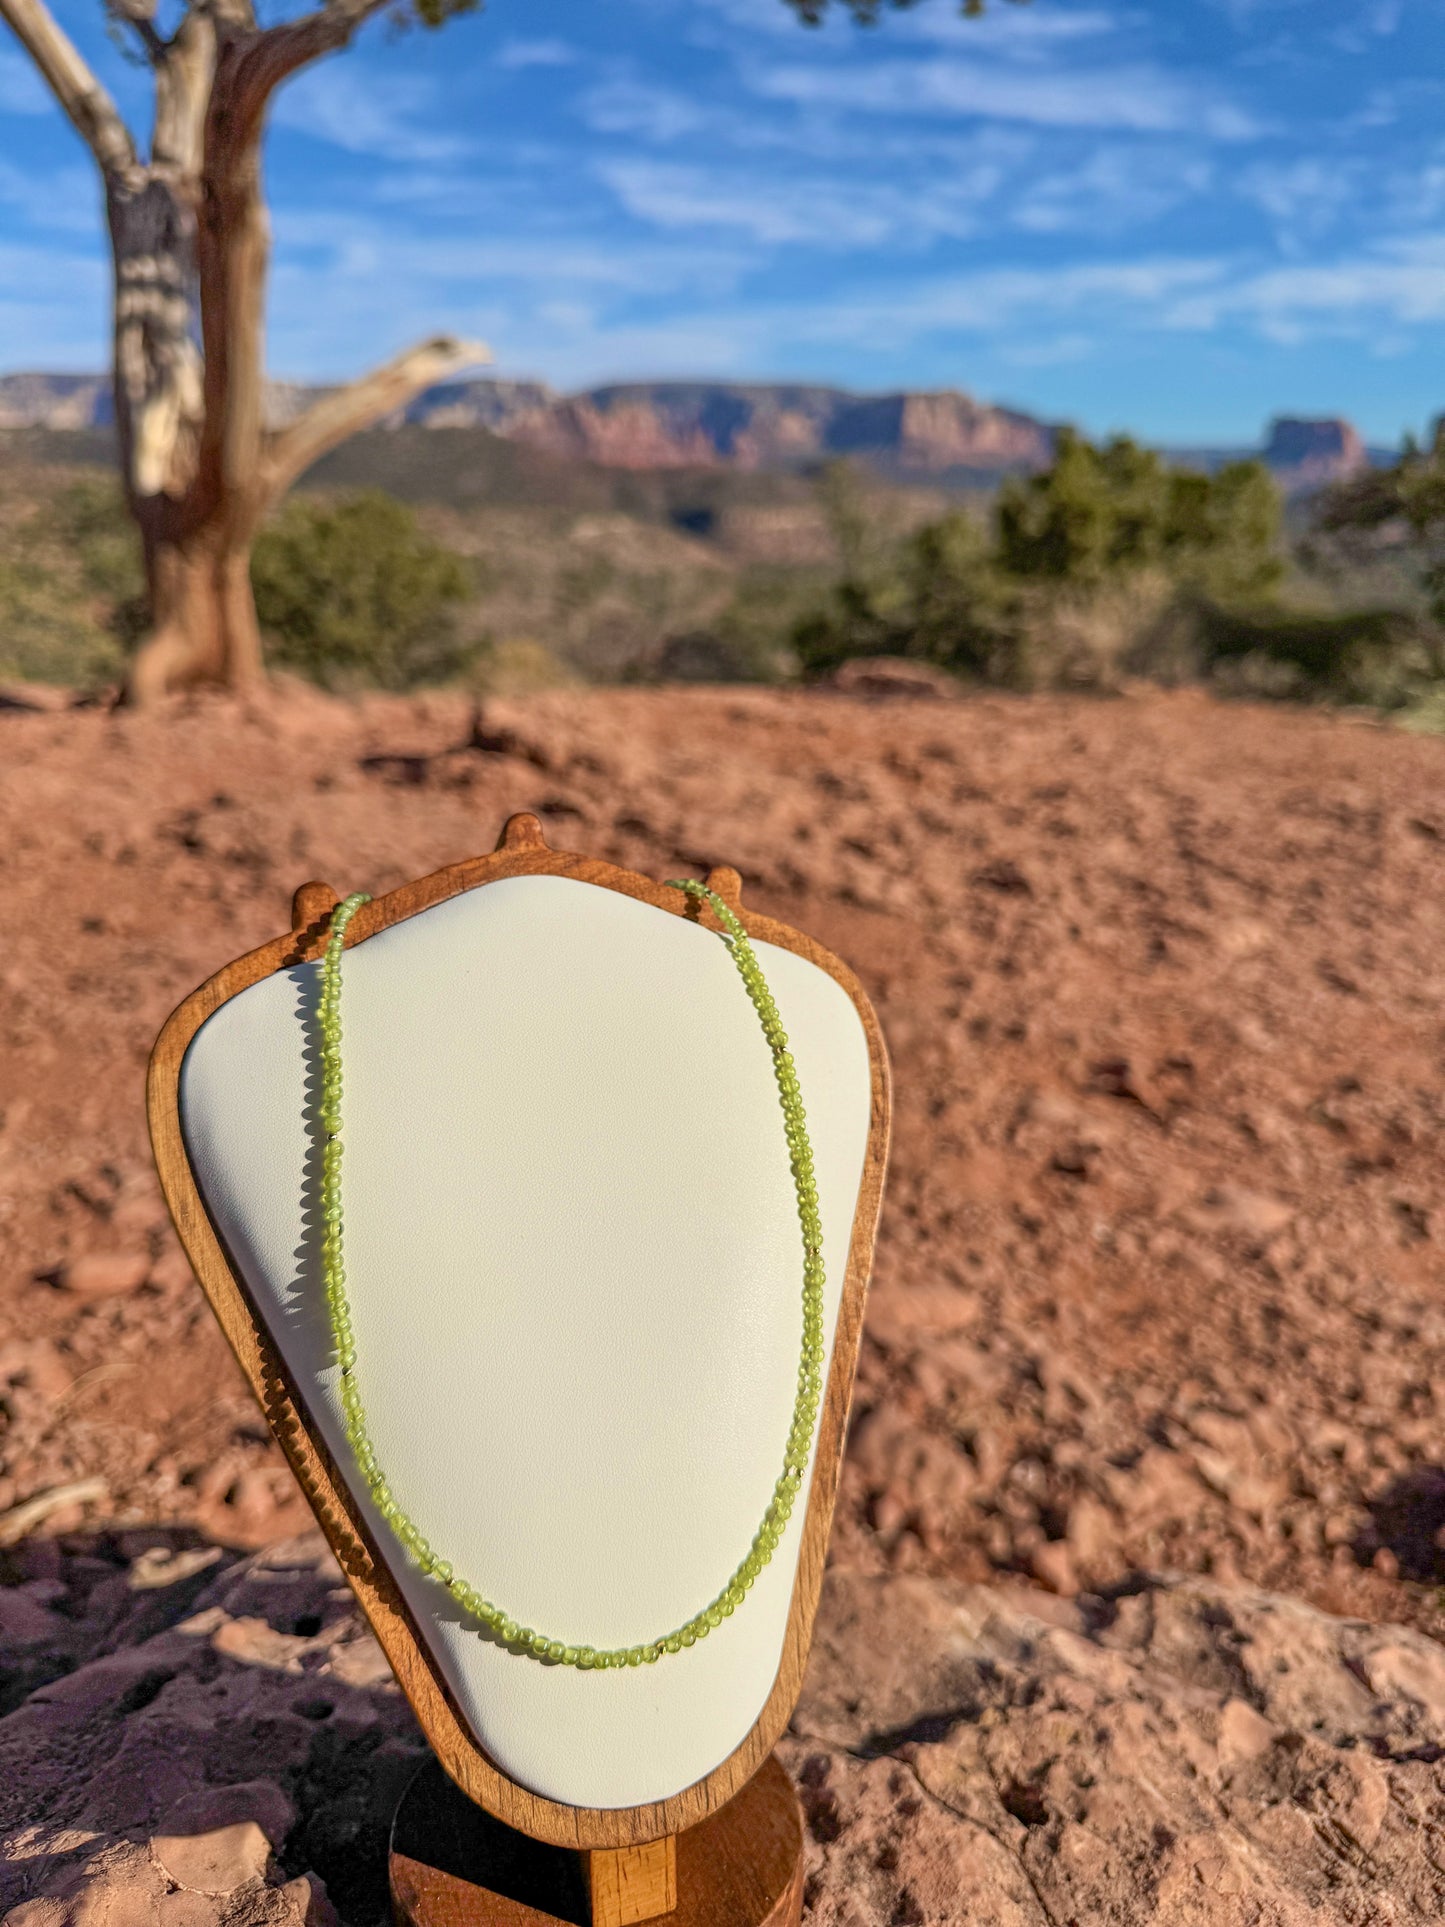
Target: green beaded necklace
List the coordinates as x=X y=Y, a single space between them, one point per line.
x=810 y=1370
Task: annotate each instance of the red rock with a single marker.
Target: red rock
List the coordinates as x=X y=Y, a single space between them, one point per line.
x=106 y=1274
x=1232 y=1207
x=256 y=1643
x=36 y=1362
x=1308 y=454
x=172 y=1272
x=1052 y=1564
x=1243 y=1735
x=883 y=676
x=215 y=1860
x=1077 y=1327
x=1415 y=1672
x=310 y=1902
x=25 y=1620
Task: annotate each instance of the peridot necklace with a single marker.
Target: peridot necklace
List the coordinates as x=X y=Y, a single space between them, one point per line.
x=810 y=1370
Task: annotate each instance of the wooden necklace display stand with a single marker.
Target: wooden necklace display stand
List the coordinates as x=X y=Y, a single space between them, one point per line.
x=471 y=1847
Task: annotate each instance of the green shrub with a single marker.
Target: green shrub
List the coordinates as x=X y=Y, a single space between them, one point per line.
x=352 y=592
x=516 y=666
x=92 y=519
x=49 y=633
x=1100 y=513
x=71 y=586
x=937 y=598
x=1406 y=501
x=1381 y=658
x=1426 y=715
x=1067 y=581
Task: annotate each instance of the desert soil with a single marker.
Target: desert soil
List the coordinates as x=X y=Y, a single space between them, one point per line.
x=1139 y=1553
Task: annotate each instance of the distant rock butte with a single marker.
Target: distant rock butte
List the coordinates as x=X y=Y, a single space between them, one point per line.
x=1311 y=453
x=55 y=401
x=762 y=425
x=692 y=424
x=753 y=425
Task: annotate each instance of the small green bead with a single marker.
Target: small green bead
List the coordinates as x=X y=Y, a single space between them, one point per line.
x=812 y=1356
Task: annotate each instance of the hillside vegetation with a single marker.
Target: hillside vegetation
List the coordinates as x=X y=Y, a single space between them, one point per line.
x=423 y=556
x=1110 y=564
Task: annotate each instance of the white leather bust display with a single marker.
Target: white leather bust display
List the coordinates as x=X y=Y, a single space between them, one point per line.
x=576 y=1272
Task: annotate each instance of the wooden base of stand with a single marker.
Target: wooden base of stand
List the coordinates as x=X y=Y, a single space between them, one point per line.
x=452 y=1865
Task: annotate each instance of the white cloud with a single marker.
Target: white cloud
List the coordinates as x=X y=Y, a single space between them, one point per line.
x=1304 y=197
x=1378 y=21
x=352 y=254
x=1136 y=99
x=1375 y=296
x=21 y=89
x=514 y=55
x=1053 y=351
x=1028 y=33
x=650 y=113
x=1113 y=189
x=1418 y=195
x=1123 y=293
x=367 y=111
x=41 y=273
x=54 y=308
x=64 y=200
x=1400 y=284
x=1396 y=286
x=665 y=117
x=821 y=212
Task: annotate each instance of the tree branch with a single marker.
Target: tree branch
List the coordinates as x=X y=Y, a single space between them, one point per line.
x=91 y=110
x=328 y=422
x=257 y=63
x=184 y=71
x=140 y=17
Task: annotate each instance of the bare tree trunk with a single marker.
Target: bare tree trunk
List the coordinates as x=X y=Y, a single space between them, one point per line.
x=191 y=243
x=191 y=253
x=203 y=614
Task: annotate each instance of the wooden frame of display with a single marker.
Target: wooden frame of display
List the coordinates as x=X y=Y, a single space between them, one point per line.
x=522 y=851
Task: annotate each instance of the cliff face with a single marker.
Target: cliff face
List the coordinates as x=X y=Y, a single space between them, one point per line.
x=626 y=434
x=497 y=405
x=934 y=432
x=754 y=425
x=651 y=425
x=757 y=426
x=1309 y=454
x=55 y=401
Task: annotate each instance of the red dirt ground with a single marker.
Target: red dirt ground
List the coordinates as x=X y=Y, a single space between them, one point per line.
x=1159 y=1281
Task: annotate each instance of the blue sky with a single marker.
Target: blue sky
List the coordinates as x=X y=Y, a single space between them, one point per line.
x=1179 y=217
